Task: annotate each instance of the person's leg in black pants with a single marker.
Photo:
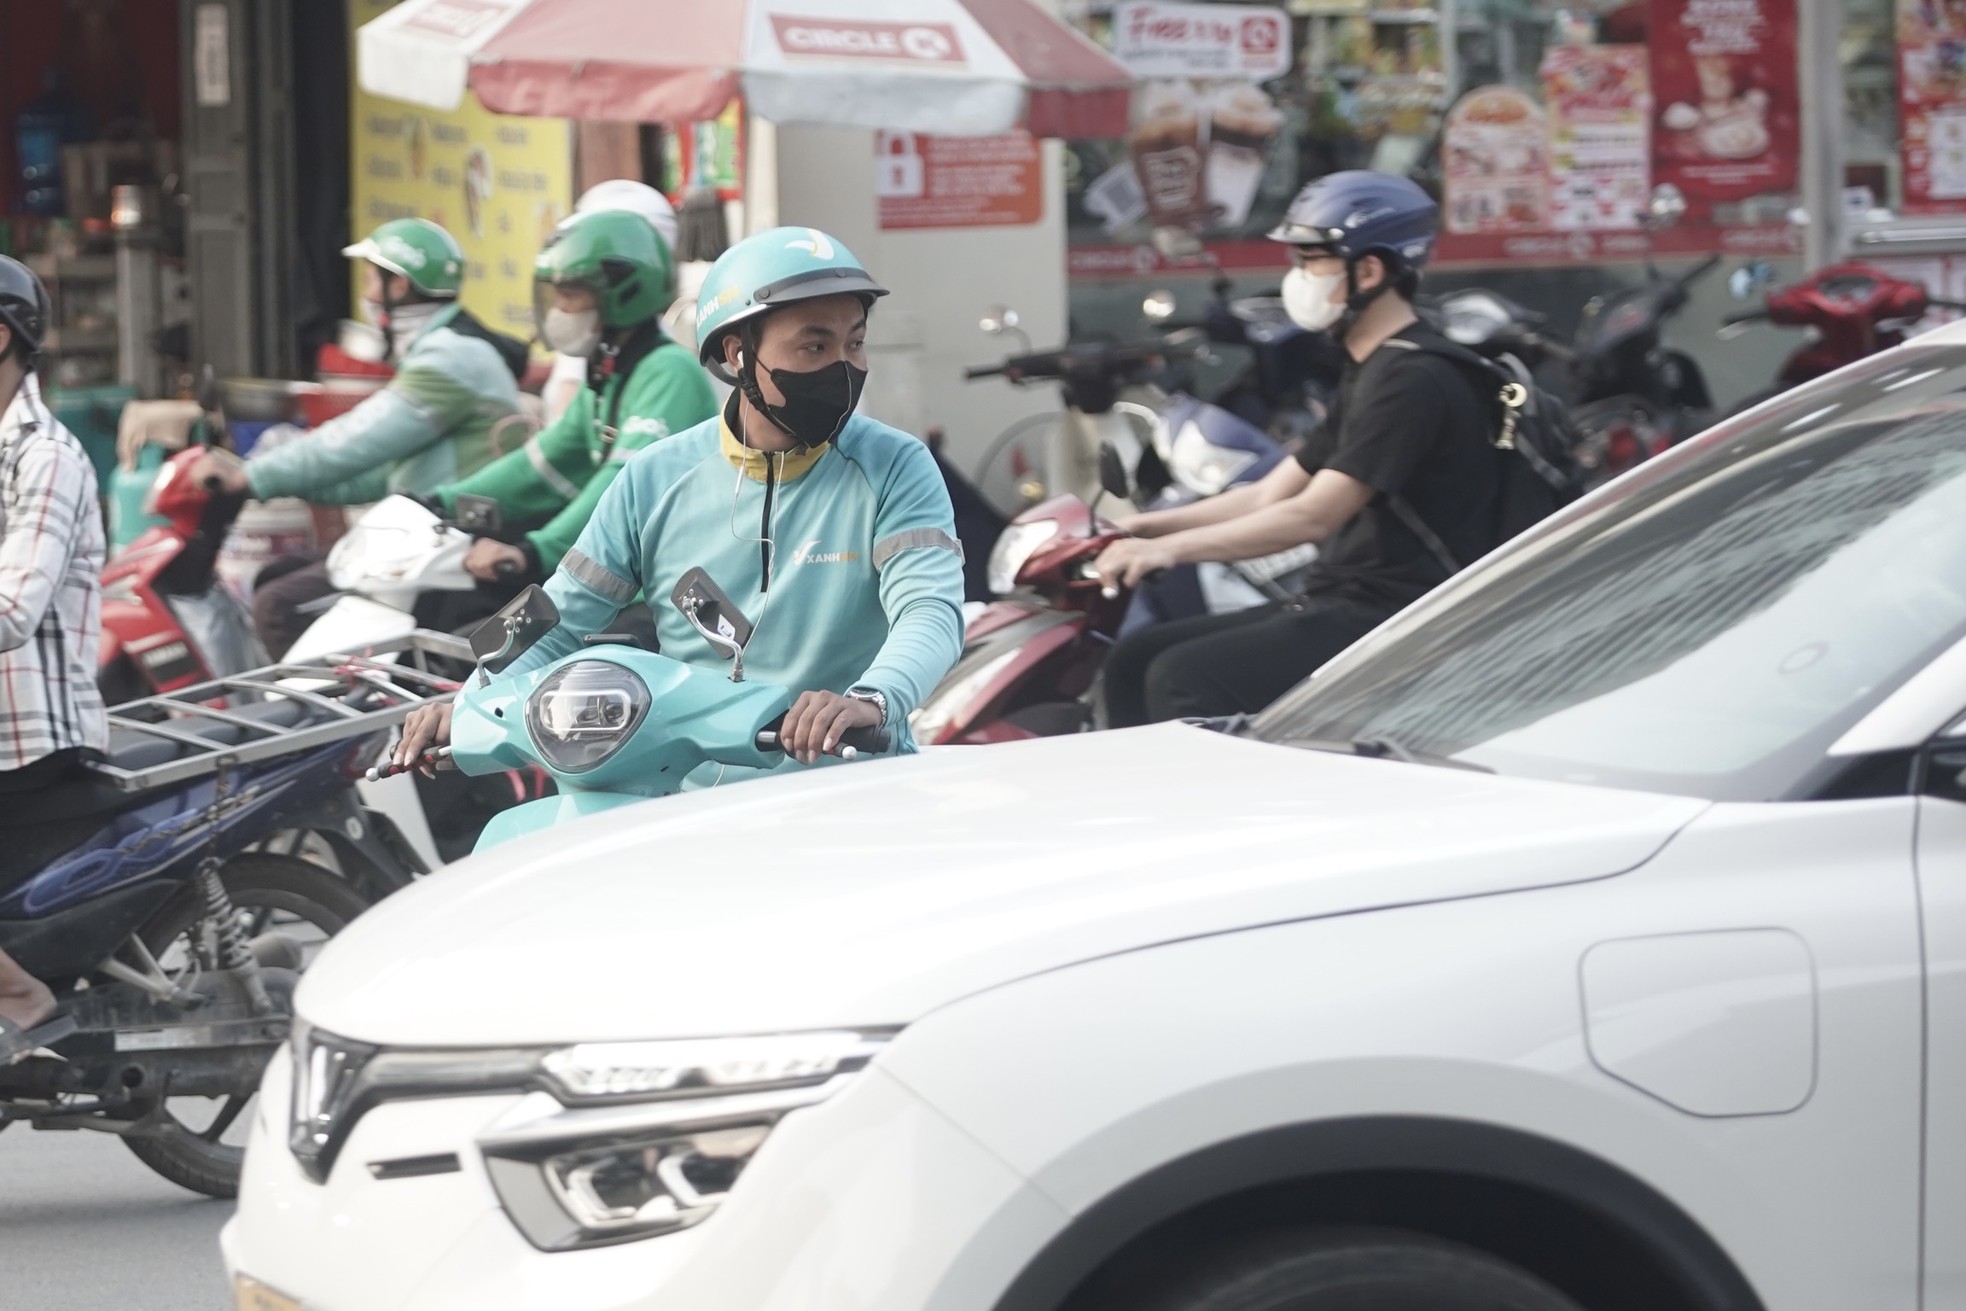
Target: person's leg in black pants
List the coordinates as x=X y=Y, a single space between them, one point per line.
x=276 y=605
x=1125 y=675
x=1240 y=670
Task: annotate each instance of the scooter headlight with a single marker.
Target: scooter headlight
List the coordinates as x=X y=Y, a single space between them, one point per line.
x=584 y=712
x=1014 y=546
x=1203 y=467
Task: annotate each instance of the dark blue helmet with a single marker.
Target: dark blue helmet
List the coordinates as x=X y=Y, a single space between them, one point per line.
x=24 y=307
x=1359 y=212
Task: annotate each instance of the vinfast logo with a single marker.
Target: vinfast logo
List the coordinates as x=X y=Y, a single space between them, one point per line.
x=909 y=43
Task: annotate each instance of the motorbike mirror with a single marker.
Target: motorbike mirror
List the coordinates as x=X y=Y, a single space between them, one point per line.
x=710 y=611
x=478 y=515
x=998 y=319
x=1666 y=207
x=1159 y=305
x=207 y=395
x=1113 y=478
x=511 y=632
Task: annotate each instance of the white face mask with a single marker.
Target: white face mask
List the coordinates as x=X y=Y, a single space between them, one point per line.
x=572 y=334
x=1311 y=299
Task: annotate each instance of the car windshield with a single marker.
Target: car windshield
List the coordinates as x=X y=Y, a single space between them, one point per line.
x=1713 y=627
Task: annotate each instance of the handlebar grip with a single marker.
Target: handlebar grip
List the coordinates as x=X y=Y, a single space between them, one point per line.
x=983 y=371
x=214 y=483
x=853 y=743
x=435 y=756
x=508 y=569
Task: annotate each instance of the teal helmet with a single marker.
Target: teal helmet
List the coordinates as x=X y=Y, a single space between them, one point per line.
x=768 y=271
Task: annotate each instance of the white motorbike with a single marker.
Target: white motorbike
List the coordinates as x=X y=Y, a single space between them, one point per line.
x=398 y=551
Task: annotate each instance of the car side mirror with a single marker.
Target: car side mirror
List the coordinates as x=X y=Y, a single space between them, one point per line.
x=478 y=515
x=514 y=630
x=1113 y=477
x=710 y=611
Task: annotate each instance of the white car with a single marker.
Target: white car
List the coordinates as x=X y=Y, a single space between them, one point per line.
x=1591 y=936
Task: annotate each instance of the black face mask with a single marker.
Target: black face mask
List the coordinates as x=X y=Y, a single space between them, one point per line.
x=818 y=402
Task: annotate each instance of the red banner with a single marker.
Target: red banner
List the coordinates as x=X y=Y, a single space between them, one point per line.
x=1726 y=98
x=1932 y=108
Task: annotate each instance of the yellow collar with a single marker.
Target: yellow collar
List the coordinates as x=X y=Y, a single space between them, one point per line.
x=791 y=464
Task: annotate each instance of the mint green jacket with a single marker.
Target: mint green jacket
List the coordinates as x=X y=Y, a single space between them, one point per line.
x=431 y=425
x=865 y=583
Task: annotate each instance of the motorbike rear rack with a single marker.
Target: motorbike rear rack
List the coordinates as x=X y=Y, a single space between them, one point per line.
x=323 y=684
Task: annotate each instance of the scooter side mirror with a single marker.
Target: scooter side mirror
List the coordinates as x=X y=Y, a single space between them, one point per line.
x=514 y=630
x=1113 y=477
x=478 y=515
x=207 y=395
x=710 y=611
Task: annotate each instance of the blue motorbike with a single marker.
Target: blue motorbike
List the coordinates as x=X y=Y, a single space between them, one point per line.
x=155 y=899
x=615 y=724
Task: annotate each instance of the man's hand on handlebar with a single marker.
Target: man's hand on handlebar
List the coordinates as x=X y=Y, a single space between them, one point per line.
x=220 y=474
x=816 y=721
x=491 y=561
x=1125 y=563
x=427 y=727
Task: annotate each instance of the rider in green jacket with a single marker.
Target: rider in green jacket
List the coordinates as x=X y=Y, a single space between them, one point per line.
x=601 y=283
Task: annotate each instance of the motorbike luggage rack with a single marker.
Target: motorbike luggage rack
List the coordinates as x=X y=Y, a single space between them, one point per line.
x=323 y=684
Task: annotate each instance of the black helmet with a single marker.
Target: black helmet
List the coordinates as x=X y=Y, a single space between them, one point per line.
x=23 y=306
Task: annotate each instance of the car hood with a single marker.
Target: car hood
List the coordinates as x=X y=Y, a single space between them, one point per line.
x=872 y=894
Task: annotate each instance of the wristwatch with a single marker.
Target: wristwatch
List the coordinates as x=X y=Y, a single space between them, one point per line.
x=873 y=696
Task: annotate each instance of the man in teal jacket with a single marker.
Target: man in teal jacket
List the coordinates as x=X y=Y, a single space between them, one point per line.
x=832 y=532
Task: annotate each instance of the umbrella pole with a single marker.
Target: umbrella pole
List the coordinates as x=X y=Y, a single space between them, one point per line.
x=760 y=174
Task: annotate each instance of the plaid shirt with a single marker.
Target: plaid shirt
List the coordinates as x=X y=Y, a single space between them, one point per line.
x=51 y=553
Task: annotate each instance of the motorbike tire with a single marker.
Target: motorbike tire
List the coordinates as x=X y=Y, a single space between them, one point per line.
x=256 y=881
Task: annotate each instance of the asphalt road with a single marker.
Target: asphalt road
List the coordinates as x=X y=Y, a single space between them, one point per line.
x=84 y=1226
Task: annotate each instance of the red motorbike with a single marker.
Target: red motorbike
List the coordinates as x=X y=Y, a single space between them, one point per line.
x=168 y=620
x=1029 y=659
x=1855 y=310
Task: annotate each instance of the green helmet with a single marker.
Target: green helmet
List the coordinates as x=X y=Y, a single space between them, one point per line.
x=767 y=271
x=417 y=249
x=613 y=253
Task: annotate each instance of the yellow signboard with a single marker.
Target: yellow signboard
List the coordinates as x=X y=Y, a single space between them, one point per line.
x=497 y=183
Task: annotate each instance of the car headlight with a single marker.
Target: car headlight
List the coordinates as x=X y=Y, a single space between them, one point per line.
x=1203 y=467
x=1014 y=546
x=675 y=1125
x=583 y=713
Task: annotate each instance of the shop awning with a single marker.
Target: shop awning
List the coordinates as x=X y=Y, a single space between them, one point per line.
x=950 y=67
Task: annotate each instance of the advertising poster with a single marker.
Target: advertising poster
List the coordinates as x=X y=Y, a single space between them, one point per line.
x=1497 y=143
x=1725 y=92
x=497 y=183
x=1932 y=105
x=1600 y=108
x=957 y=182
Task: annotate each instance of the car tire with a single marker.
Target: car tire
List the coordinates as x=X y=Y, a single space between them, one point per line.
x=1353 y=1270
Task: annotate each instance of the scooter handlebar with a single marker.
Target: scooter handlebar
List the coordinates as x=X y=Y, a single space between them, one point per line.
x=983 y=371
x=1941 y=303
x=434 y=756
x=853 y=743
x=1744 y=316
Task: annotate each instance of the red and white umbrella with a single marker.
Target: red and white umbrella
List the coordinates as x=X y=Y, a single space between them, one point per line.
x=952 y=67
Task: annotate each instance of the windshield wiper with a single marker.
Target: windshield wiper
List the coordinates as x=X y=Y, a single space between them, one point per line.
x=1380 y=747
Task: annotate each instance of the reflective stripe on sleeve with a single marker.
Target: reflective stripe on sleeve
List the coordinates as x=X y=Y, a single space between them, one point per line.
x=536 y=456
x=914 y=539
x=609 y=584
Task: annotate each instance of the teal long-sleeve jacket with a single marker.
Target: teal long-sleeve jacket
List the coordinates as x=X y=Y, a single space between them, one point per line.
x=865 y=582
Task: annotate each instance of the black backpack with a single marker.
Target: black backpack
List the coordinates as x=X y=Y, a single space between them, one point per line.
x=1535 y=443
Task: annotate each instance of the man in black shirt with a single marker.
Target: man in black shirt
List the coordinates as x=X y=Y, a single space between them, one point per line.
x=1399 y=481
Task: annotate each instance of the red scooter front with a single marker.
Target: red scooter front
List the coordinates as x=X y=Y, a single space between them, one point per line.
x=1856 y=311
x=1029 y=659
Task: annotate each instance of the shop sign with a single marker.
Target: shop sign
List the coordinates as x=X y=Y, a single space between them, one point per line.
x=498 y=184
x=1202 y=40
x=1497 y=163
x=1600 y=103
x=1725 y=85
x=957 y=182
x=1932 y=107
x=828 y=38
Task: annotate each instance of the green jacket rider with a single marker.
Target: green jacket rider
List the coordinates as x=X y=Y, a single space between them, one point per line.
x=601 y=283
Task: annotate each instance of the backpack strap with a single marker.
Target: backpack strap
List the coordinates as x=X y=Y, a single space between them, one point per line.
x=1403 y=511
x=641 y=344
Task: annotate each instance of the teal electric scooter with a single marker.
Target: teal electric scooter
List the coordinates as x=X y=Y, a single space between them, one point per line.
x=615 y=724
